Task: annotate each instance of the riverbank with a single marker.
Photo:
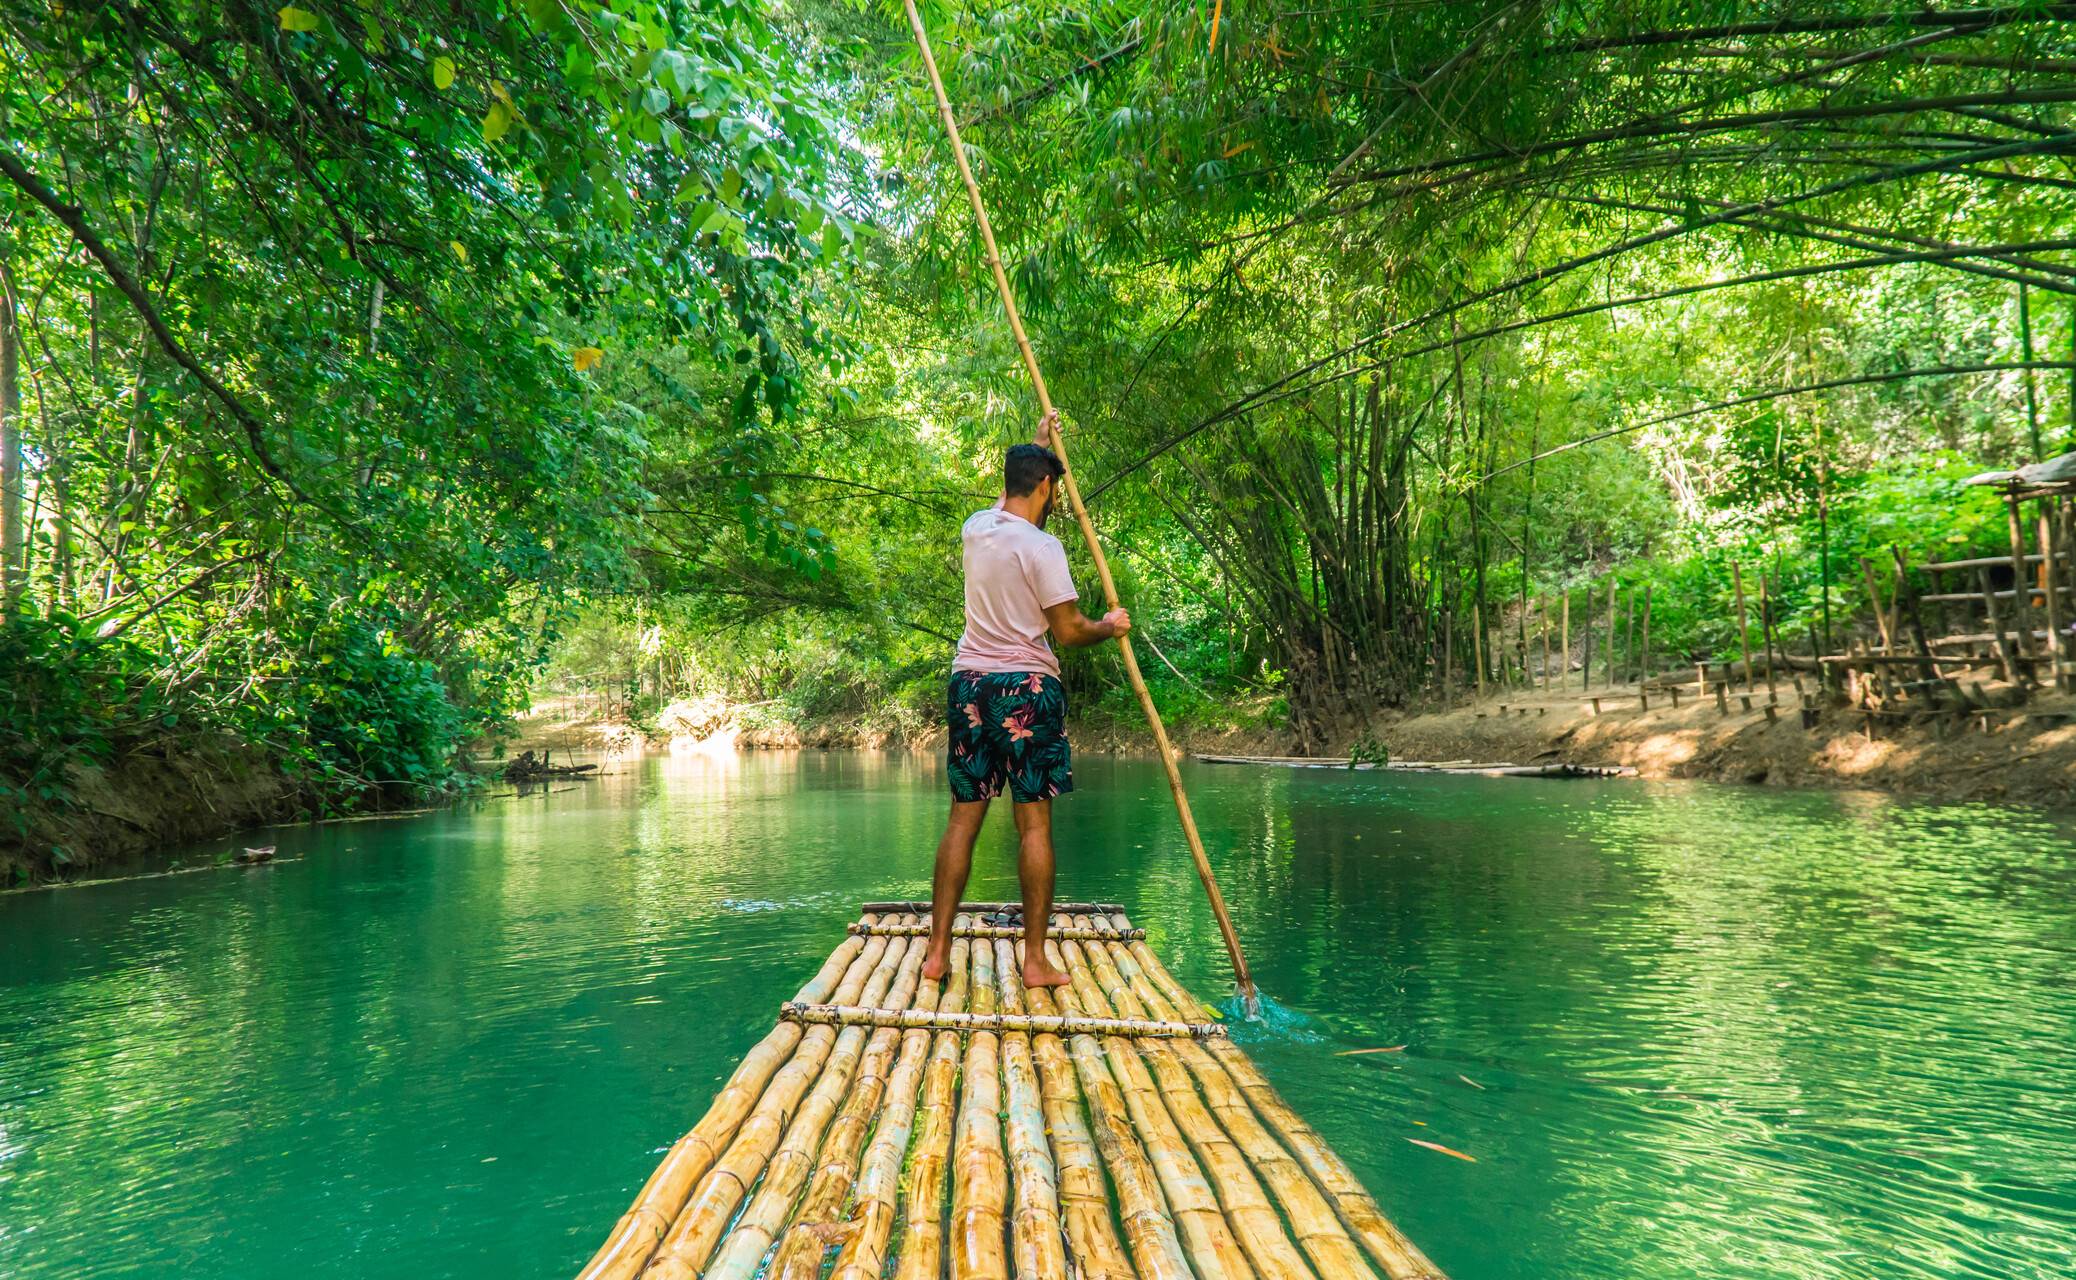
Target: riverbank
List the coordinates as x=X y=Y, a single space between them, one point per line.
x=2025 y=754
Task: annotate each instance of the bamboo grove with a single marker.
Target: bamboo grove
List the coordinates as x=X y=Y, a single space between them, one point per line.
x=417 y=332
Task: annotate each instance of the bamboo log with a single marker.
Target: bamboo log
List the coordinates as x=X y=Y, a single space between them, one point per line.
x=1207 y=1237
x=864 y=1252
x=831 y=1015
x=705 y=1218
x=989 y=931
x=988 y=908
x=2021 y=598
x=1318 y=1228
x=2057 y=639
x=634 y=1237
x=1035 y=1229
x=742 y=1252
x=922 y=1227
x=1248 y=1212
x=1084 y=1199
x=980 y=1173
x=1140 y=1207
x=1088 y=528
x=1379 y=1237
x=1744 y=635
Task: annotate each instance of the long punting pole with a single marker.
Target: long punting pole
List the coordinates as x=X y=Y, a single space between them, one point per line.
x=1088 y=530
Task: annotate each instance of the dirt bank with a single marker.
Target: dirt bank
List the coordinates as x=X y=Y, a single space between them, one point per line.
x=150 y=797
x=2019 y=754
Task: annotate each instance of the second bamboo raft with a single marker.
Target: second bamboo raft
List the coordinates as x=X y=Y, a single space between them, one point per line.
x=1115 y=1149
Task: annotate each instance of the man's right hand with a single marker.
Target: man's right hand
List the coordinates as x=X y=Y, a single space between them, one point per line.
x=1119 y=622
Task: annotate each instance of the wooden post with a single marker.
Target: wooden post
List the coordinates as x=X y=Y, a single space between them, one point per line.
x=1546 y=641
x=2007 y=657
x=2021 y=586
x=1608 y=681
x=1646 y=668
x=1881 y=616
x=1925 y=670
x=1088 y=530
x=1564 y=662
x=1629 y=641
x=1586 y=645
x=1478 y=645
x=1744 y=635
x=2057 y=643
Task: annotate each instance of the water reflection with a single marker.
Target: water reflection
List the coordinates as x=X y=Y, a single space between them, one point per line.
x=1684 y=1030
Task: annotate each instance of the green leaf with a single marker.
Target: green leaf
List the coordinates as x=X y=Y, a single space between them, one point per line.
x=496 y=122
x=294 y=19
x=443 y=72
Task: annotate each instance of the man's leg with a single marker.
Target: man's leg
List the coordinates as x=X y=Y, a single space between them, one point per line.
x=1034 y=871
x=948 y=884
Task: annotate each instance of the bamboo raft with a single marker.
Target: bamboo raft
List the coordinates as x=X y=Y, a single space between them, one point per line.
x=976 y=1128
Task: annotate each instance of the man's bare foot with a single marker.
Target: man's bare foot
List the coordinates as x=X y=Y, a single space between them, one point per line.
x=934 y=967
x=1037 y=973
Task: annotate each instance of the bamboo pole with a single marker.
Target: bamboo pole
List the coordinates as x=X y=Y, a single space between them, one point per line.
x=1608 y=680
x=831 y=1015
x=1744 y=634
x=864 y=1253
x=1141 y=1210
x=1546 y=641
x=790 y=1169
x=1646 y=667
x=1036 y=1240
x=2021 y=587
x=922 y=1228
x=1564 y=659
x=2057 y=639
x=633 y=1238
x=1383 y=1241
x=1478 y=648
x=1088 y=529
x=1246 y=1205
x=1206 y=1235
x=980 y=1171
x=685 y=1250
x=1084 y=1197
x=1318 y=1229
x=1881 y=615
x=987 y=931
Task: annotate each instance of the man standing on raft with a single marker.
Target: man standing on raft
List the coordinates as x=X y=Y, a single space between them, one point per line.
x=1007 y=710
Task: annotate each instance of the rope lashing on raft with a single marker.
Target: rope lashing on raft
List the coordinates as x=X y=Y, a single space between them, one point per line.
x=1059 y=908
x=995 y=931
x=845 y=1015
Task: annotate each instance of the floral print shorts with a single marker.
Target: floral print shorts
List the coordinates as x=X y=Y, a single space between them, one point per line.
x=1008 y=729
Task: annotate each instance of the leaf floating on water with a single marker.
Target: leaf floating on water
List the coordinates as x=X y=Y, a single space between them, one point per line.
x=1393 y=1049
x=1467 y=1080
x=1436 y=1146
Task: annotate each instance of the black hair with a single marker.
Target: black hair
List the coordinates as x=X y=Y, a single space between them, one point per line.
x=1025 y=465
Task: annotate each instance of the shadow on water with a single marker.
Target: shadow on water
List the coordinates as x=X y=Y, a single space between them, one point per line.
x=1683 y=1030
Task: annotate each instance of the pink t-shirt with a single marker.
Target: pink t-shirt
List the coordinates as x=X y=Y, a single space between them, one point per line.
x=1015 y=571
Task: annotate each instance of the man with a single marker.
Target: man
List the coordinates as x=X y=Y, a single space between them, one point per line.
x=1008 y=712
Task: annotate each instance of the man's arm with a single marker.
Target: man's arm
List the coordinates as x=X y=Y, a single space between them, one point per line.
x=1071 y=628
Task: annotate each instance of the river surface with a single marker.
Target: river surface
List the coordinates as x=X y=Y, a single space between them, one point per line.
x=1684 y=1030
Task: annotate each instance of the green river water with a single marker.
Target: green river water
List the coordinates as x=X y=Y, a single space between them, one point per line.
x=1686 y=1030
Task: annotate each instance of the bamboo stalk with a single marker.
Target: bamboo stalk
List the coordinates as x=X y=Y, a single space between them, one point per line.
x=1084 y=1199
x=1088 y=529
x=1207 y=1238
x=1035 y=1228
x=1318 y=1228
x=980 y=1173
x=699 y=1228
x=1140 y=1207
x=634 y=1237
x=743 y=1250
x=988 y=931
x=2057 y=639
x=1253 y=1220
x=1564 y=661
x=922 y=1227
x=831 y=1015
x=1379 y=1237
x=985 y=908
x=864 y=1252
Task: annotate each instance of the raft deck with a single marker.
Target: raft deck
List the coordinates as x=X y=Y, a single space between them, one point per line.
x=977 y=1128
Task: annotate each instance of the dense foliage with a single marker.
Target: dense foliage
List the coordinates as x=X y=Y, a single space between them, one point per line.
x=1369 y=321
